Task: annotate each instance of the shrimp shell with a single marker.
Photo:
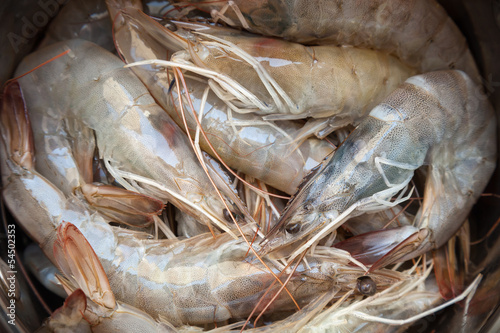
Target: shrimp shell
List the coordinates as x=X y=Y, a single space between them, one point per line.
x=264 y=150
x=289 y=80
x=134 y=135
x=440 y=119
x=87 y=20
x=419 y=32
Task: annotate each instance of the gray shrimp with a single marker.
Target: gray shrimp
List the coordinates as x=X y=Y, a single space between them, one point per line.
x=439 y=120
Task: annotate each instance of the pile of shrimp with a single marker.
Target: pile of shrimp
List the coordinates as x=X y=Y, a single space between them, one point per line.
x=293 y=166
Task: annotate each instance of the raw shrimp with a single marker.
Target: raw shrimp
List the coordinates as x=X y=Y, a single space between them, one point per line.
x=280 y=79
x=65 y=149
x=87 y=20
x=200 y=280
x=419 y=32
x=100 y=312
x=393 y=310
x=440 y=119
x=135 y=137
x=147 y=274
x=263 y=150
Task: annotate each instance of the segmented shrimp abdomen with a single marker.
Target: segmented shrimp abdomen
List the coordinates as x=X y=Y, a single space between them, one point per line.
x=419 y=32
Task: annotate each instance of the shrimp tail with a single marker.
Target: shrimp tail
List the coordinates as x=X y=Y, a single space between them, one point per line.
x=372 y=247
x=121 y=205
x=103 y=313
x=76 y=258
x=175 y=42
x=410 y=246
x=17 y=133
x=450 y=264
x=69 y=315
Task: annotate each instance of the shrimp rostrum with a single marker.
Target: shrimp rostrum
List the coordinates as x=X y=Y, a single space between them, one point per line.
x=200 y=280
x=440 y=121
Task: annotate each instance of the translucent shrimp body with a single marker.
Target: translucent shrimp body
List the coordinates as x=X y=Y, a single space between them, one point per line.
x=440 y=119
x=264 y=150
x=314 y=81
x=137 y=140
x=200 y=280
x=281 y=79
x=419 y=32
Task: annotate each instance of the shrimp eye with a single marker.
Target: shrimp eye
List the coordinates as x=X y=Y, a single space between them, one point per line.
x=308 y=207
x=227 y=215
x=169 y=25
x=293 y=228
x=366 y=286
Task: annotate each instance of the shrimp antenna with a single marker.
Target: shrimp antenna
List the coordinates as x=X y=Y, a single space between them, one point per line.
x=267 y=291
x=179 y=79
x=282 y=287
x=488 y=234
x=493 y=227
x=8 y=82
x=196 y=150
